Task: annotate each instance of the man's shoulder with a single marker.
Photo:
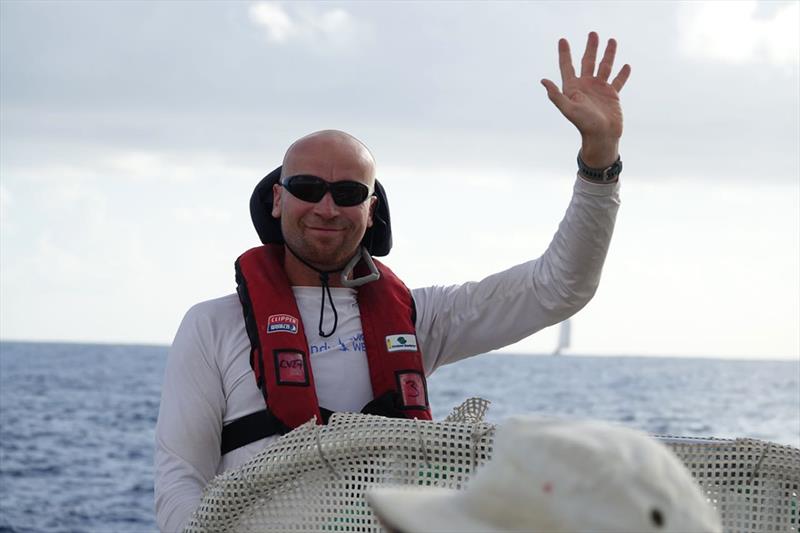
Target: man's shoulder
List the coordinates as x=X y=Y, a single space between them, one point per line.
x=214 y=326
x=219 y=311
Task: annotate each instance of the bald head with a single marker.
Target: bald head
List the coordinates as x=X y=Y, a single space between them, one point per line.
x=325 y=234
x=330 y=154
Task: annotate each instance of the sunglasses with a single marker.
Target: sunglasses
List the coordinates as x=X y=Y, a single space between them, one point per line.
x=311 y=189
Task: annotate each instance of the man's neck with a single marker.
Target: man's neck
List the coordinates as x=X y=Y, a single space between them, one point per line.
x=300 y=275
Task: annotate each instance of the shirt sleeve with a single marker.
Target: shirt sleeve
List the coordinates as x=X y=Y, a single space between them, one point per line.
x=459 y=321
x=189 y=426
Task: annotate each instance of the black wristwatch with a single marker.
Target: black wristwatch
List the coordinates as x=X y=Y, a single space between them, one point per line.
x=600 y=175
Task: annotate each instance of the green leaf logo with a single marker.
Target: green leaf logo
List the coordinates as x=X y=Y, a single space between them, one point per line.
x=402 y=340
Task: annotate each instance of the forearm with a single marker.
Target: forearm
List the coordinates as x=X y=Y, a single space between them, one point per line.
x=460 y=321
x=176 y=500
x=567 y=275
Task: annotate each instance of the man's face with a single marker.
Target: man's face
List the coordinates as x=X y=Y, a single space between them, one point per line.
x=323 y=233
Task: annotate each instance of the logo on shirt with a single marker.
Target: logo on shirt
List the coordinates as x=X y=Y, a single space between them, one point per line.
x=282 y=324
x=401 y=343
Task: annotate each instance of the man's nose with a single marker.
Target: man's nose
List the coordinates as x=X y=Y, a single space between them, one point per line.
x=326 y=207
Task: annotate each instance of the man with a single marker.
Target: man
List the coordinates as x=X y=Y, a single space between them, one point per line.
x=363 y=341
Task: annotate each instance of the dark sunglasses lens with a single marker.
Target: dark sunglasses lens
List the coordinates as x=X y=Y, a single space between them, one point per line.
x=348 y=193
x=307 y=188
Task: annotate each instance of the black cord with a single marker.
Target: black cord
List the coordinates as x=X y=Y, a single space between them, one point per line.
x=323 y=277
x=326 y=288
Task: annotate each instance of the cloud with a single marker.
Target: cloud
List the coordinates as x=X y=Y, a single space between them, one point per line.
x=274 y=20
x=141 y=165
x=307 y=24
x=735 y=32
x=105 y=168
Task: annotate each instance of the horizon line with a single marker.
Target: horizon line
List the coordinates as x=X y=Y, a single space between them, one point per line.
x=795 y=358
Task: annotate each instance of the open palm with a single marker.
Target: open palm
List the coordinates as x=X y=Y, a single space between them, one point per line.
x=589 y=101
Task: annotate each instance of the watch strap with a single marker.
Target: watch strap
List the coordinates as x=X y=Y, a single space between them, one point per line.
x=600 y=175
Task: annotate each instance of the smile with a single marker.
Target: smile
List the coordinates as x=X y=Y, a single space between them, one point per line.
x=313 y=228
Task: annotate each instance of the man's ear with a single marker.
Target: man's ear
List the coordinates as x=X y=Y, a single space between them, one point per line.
x=276 y=200
x=373 y=202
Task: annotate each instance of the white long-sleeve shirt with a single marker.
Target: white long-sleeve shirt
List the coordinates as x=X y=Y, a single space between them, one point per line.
x=208 y=381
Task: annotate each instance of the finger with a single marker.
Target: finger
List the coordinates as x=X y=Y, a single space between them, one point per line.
x=604 y=70
x=622 y=77
x=556 y=96
x=590 y=55
x=565 y=62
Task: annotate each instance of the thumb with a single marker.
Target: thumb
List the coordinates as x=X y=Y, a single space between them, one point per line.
x=555 y=95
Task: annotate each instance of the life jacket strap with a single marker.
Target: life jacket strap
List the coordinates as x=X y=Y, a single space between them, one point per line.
x=256 y=426
x=263 y=424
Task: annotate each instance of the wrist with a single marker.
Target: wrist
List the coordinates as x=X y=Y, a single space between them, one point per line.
x=599 y=153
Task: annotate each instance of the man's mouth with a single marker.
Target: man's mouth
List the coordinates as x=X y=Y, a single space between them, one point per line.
x=318 y=228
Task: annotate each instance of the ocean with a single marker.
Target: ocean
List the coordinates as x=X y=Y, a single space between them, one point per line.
x=77 y=421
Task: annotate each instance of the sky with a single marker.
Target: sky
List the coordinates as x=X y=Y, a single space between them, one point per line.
x=133 y=133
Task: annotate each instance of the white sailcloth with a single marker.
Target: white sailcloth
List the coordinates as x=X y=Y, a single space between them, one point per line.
x=564 y=334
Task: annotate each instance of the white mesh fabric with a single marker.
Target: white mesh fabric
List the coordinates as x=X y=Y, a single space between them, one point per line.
x=754 y=484
x=315 y=477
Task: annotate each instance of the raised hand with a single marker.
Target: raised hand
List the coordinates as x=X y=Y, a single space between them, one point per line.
x=589 y=101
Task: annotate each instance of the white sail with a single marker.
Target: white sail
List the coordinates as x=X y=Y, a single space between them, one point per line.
x=564 y=334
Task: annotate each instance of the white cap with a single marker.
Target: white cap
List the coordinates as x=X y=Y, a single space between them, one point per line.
x=550 y=475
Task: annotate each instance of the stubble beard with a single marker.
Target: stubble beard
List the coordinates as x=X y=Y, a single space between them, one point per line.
x=324 y=253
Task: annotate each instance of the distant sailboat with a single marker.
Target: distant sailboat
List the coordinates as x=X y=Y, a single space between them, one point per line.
x=563 y=337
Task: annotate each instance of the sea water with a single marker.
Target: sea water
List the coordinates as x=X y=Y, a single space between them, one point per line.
x=77 y=421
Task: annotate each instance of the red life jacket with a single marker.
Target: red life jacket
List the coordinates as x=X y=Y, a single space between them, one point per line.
x=279 y=352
